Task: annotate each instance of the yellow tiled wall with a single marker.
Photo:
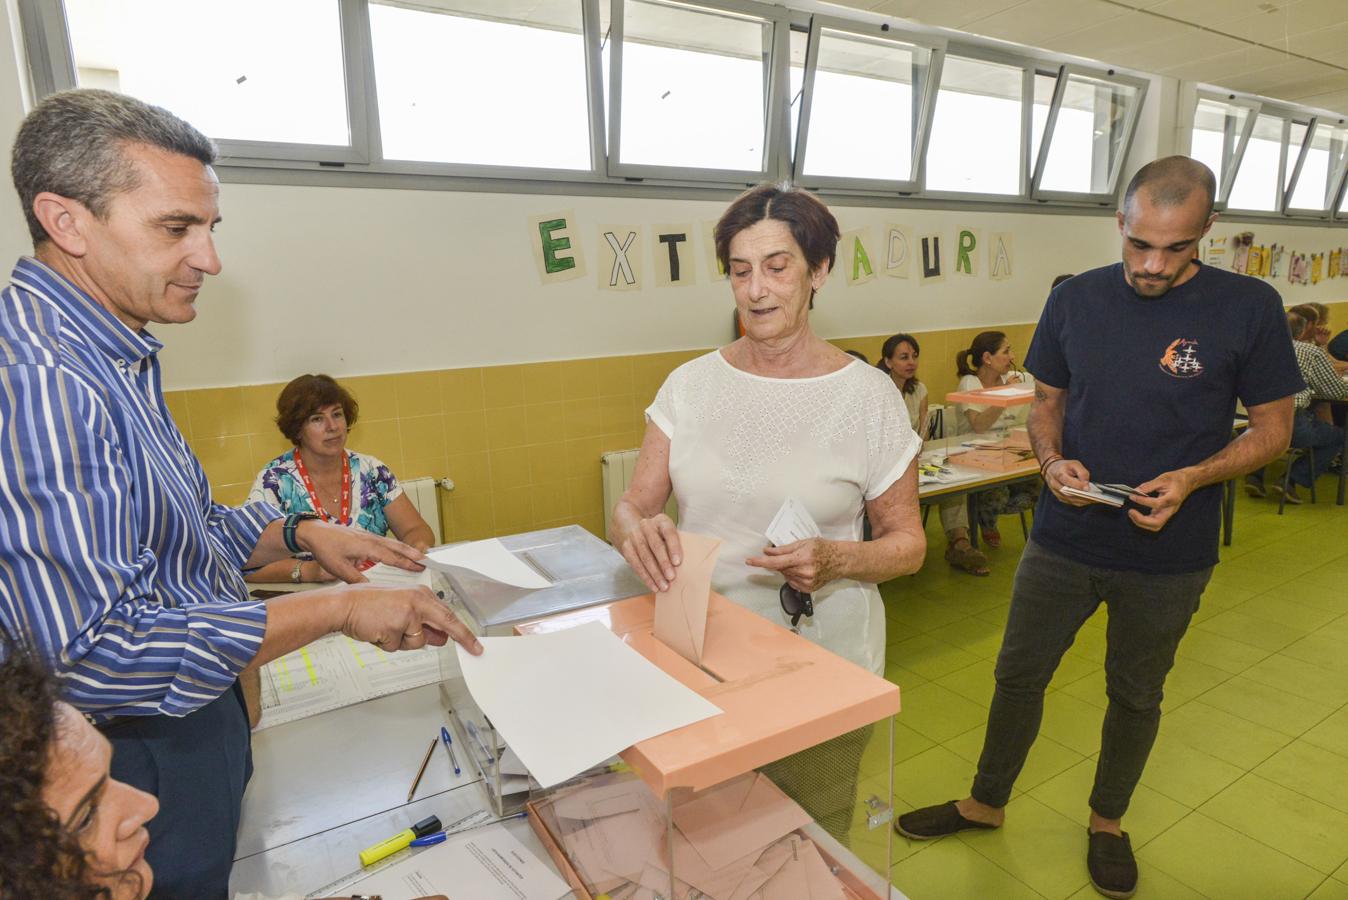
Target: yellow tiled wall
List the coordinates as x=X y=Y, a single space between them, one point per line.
x=522 y=442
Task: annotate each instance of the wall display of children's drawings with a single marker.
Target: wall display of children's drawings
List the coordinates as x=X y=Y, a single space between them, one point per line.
x=1317 y=267
x=1240 y=251
x=1335 y=259
x=619 y=266
x=672 y=255
x=898 y=250
x=854 y=255
x=1298 y=269
x=555 y=243
x=1214 y=252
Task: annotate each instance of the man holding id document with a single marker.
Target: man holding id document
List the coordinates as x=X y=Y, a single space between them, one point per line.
x=1138 y=368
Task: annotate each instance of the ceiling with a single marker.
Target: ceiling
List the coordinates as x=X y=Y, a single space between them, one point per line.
x=1292 y=50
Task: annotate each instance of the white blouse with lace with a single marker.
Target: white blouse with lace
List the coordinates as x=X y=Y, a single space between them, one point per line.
x=740 y=444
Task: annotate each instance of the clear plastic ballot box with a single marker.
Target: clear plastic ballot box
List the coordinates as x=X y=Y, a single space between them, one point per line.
x=786 y=793
x=584 y=571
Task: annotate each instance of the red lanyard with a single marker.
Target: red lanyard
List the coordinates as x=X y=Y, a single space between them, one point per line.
x=313 y=494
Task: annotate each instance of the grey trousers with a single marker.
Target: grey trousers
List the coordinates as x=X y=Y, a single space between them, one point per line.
x=1051 y=598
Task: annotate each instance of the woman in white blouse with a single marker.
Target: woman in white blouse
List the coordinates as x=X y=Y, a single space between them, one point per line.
x=780 y=413
x=989 y=362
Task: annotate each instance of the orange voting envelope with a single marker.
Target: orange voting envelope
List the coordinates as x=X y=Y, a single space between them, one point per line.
x=681 y=611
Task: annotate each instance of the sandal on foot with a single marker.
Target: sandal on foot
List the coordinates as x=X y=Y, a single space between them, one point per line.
x=992 y=537
x=1109 y=858
x=936 y=821
x=967 y=558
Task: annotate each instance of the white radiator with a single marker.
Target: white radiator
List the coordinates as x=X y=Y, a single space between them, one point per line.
x=615 y=470
x=425 y=496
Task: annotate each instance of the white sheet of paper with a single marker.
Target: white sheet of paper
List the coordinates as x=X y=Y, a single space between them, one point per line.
x=569 y=700
x=792 y=523
x=487 y=863
x=489 y=558
x=1011 y=390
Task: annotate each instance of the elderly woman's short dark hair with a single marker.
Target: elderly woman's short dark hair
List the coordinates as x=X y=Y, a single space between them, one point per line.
x=812 y=225
x=41 y=857
x=305 y=396
x=73 y=144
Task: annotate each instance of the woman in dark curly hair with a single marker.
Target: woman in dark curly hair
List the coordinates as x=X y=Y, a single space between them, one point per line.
x=67 y=830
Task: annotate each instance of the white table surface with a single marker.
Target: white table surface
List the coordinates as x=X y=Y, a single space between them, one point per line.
x=326 y=787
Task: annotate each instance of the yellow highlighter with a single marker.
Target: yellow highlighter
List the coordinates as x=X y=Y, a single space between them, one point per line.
x=371 y=855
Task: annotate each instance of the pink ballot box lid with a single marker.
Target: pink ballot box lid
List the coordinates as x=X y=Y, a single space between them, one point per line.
x=781 y=694
x=1003 y=395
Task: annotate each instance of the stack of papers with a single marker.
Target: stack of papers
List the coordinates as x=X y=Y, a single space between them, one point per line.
x=490 y=559
x=568 y=700
x=735 y=841
x=486 y=863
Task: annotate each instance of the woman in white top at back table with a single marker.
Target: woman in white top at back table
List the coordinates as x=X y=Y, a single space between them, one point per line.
x=989 y=362
x=898 y=360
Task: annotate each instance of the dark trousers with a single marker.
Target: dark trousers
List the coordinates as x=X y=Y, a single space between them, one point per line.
x=198 y=766
x=1324 y=438
x=1051 y=598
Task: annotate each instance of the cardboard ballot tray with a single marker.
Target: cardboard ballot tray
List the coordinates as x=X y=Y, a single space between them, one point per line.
x=787 y=704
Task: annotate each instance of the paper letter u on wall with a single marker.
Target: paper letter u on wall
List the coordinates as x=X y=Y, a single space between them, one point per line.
x=931 y=259
x=897 y=251
x=555 y=242
x=620 y=257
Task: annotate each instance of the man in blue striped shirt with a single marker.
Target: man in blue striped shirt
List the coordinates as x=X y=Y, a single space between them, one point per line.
x=114 y=561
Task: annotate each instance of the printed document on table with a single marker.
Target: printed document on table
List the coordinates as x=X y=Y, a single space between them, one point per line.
x=334 y=672
x=568 y=700
x=488 y=558
x=487 y=863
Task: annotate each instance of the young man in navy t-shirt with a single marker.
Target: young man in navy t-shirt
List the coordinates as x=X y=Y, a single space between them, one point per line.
x=1138 y=368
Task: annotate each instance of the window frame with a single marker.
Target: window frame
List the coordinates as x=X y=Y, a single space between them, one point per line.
x=775 y=125
x=921 y=129
x=47 y=33
x=1232 y=154
x=1109 y=76
x=1333 y=179
x=1029 y=67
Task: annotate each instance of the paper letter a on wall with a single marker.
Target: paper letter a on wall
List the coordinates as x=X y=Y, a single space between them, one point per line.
x=556 y=247
x=999 y=256
x=622 y=257
x=931 y=259
x=856 y=260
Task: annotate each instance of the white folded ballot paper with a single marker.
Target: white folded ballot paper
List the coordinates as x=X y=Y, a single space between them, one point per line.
x=488 y=558
x=568 y=700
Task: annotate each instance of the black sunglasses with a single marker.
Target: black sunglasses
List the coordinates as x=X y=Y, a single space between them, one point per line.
x=795 y=603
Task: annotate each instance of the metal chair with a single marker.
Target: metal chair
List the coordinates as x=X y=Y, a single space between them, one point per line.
x=1293 y=455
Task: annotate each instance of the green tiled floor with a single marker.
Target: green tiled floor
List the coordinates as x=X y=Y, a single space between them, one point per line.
x=1246 y=792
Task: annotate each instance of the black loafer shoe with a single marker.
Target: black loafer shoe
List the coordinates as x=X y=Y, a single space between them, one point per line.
x=1109 y=858
x=935 y=821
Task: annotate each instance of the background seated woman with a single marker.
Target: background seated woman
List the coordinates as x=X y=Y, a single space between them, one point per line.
x=321 y=475
x=989 y=362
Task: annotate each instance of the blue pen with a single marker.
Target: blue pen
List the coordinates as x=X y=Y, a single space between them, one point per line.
x=481 y=745
x=444 y=736
x=440 y=836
